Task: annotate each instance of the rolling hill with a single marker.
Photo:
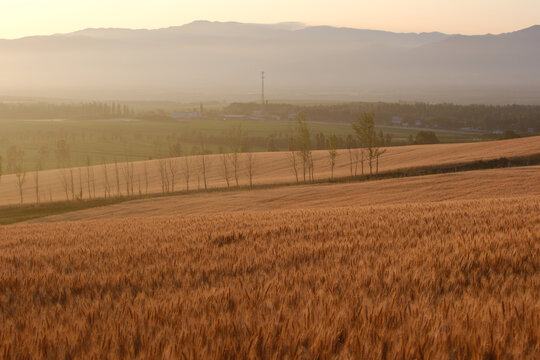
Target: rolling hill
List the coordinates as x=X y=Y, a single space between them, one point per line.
x=269 y=168
x=436 y=266
x=454 y=279
x=471 y=185
x=212 y=60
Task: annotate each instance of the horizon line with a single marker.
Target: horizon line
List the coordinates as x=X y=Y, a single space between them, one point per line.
x=302 y=24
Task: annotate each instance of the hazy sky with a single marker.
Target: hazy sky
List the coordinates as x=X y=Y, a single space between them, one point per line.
x=38 y=17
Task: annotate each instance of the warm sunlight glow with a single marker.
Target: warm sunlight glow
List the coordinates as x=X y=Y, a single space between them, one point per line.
x=269 y=179
x=20 y=18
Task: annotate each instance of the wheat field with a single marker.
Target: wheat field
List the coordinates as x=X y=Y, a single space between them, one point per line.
x=458 y=279
x=479 y=184
x=269 y=168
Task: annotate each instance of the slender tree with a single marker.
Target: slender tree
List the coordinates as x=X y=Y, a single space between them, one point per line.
x=364 y=128
x=173 y=170
x=204 y=166
x=72 y=183
x=117 y=177
x=378 y=153
x=81 y=185
x=293 y=161
x=63 y=159
x=175 y=151
x=292 y=157
x=303 y=144
x=237 y=143
x=90 y=180
x=145 y=178
x=36 y=180
x=187 y=170
x=43 y=153
x=350 y=151
x=311 y=167
x=20 y=173
x=250 y=166
x=225 y=160
x=93 y=184
x=332 y=153
x=131 y=177
x=42 y=157
x=106 y=184
x=360 y=154
x=204 y=162
x=64 y=181
x=125 y=172
x=164 y=175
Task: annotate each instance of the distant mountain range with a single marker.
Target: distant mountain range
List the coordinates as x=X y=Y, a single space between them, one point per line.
x=216 y=60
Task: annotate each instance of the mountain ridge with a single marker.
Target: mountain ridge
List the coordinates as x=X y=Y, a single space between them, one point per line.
x=297 y=25
x=224 y=59
x=290 y=26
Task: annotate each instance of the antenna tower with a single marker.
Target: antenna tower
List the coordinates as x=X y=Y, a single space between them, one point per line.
x=262 y=88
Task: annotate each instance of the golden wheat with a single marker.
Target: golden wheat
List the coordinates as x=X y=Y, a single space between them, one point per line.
x=449 y=280
x=481 y=184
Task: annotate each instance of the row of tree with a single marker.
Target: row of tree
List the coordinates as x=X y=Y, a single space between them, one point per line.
x=371 y=143
x=229 y=161
x=300 y=155
x=15 y=156
x=168 y=168
x=124 y=181
x=74 y=111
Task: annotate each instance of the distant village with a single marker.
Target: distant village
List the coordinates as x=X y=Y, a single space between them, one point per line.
x=484 y=119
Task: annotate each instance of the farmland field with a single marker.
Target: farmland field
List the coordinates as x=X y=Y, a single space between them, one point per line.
x=437 y=266
x=269 y=168
x=458 y=279
x=470 y=185
x=225 y=189
x=107 y=140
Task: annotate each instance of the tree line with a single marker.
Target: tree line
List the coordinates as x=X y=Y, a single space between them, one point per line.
x=119 y=178
x=443 y=116
x=75 y=111
x=369 y=150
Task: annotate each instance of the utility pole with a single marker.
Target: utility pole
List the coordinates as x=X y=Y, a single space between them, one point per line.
x=262 y=92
